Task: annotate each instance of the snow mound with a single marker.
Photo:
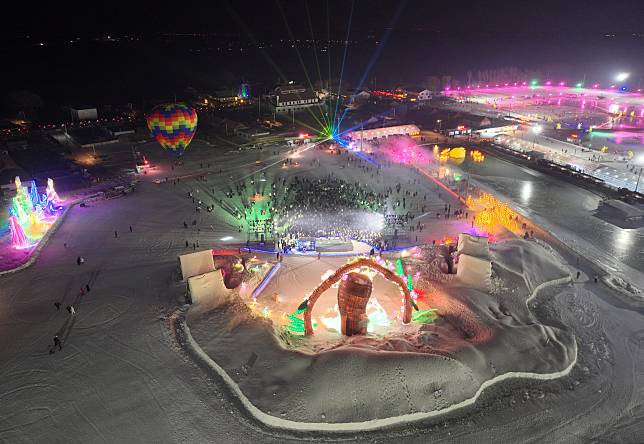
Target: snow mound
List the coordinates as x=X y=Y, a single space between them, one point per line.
x=530 y=260
x=624 y=287
x=479 y=338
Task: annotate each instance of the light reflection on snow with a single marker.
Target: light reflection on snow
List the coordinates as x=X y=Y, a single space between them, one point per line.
x=623 y=240
x=526 y=192
x=376 y=317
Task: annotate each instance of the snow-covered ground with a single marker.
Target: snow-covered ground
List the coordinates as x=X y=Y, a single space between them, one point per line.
x=122 y=378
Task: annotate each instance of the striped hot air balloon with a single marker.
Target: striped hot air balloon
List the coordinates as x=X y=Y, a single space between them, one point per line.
x=173 y=125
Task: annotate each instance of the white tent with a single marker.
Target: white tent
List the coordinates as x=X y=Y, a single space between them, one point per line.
x=193 y=264
x=208 y=288
x=476 y=246
x=474 y=272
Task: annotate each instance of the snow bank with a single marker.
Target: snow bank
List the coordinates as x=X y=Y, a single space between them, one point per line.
x=529 y=260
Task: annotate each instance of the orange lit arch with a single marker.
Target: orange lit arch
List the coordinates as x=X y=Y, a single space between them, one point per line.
x=337 y=275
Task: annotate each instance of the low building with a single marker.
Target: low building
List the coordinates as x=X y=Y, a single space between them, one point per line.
x=120 y=130
x=496 y=130
x=382 y=133
x=362 y=96
x=460 y=130
x=226 y=126
x=224 y=96
x=425 y=95
x=84 y=113
x=293 y=98
x=252 y=133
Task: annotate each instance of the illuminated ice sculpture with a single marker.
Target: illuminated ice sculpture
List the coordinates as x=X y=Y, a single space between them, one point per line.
x=51 y=194
x=31 y=215
x=18 y=236
x=353 y=296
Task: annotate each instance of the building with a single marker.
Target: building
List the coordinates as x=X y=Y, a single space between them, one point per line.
x=460 y=130
x=224 y=96
x=226 y=126
x=120 y=130
x=253 y=133
x=496 y=130
x=362 y=96
x=293 y=98
x=425 y=95
x=84 y=113
x=383 y=133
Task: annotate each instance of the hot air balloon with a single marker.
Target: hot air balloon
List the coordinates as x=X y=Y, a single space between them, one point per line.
x=173 y=125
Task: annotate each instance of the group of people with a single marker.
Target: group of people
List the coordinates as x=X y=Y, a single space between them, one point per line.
x=72 y=312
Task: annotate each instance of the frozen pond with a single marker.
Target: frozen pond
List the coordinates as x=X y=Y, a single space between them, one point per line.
x=565 y=208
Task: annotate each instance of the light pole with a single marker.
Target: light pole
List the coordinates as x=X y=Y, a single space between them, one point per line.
x=439 y=125
x=620 y=77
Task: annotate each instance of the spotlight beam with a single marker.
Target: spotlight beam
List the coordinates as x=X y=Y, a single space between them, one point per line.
x=377 y=52
x=344 y=58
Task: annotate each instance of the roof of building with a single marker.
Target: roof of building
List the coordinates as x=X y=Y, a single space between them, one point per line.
x=384 y=131
x=82 y=107
x=298 y=96
x=290 y=89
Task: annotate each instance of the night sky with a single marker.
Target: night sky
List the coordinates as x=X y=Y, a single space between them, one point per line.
x=264 y=18
x=393 y=42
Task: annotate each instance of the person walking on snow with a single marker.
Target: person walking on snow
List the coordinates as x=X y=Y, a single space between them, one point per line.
x=57 y=343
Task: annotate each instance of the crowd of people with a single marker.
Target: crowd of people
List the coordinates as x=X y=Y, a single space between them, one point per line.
x=356 y=204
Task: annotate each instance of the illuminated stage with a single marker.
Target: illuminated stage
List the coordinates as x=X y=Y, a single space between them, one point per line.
x=330 y=246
